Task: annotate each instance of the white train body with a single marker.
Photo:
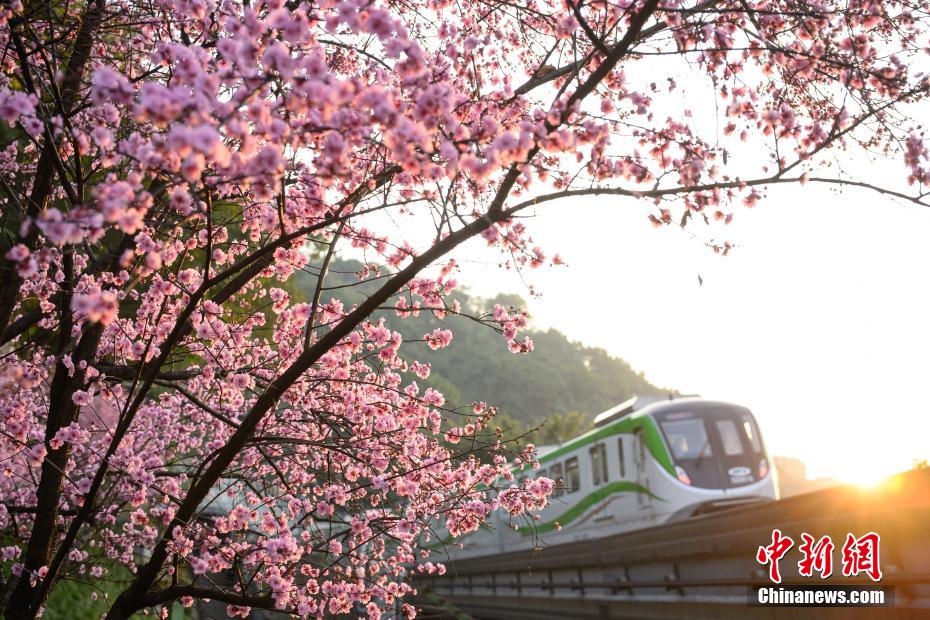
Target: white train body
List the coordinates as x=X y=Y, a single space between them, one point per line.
x=641 y=466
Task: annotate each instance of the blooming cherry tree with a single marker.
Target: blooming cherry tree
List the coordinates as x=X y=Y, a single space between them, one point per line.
x=171 y=403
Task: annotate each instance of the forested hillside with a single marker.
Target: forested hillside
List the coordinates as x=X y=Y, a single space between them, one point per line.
x=558 y=378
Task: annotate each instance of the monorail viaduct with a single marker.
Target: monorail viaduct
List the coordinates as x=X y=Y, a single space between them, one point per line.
x=702 y=567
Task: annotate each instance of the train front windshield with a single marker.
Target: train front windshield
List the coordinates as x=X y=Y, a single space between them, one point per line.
x=714 y=447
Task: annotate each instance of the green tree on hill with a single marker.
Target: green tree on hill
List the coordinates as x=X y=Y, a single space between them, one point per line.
x=562 y=381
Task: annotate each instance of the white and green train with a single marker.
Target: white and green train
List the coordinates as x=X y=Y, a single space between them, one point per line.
x=644 y=464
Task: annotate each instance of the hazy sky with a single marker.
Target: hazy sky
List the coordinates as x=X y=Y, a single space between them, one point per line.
x=819 y=321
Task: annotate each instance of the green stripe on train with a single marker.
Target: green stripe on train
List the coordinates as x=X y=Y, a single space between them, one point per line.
x=622 y=486
x=654 y=441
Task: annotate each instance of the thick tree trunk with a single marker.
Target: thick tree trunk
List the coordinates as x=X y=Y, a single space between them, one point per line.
x=23 y=602
x=62 y=410
x=10 y=281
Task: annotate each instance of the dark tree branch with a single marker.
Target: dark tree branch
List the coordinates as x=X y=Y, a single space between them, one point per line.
x=539 y=80
x=131 y=372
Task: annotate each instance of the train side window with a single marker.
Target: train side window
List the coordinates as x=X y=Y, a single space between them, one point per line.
x=605 y=476
x=572 y=476
x=595 y=465
x=599 y=463
x=622 y=457
x=555 y=472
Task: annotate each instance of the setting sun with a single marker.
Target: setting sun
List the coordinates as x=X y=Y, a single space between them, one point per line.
x=866 y=478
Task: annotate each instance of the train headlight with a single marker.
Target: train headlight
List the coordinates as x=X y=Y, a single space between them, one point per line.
x=682 y=475
x=763 y=468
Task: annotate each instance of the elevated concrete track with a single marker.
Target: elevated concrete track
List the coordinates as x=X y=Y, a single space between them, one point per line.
x=703 y=567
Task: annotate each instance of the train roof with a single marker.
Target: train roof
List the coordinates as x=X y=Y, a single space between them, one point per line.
x=638 y=403
x=685 y=401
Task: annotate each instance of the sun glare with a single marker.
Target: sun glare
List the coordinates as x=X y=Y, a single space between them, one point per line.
x=867 y=475
x=871 y=480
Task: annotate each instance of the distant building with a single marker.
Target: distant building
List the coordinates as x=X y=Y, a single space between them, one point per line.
x=793 y=480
